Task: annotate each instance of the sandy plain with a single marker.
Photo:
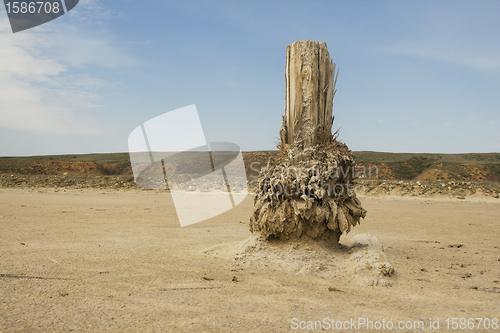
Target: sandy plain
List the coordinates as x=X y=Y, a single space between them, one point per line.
x=108 y=260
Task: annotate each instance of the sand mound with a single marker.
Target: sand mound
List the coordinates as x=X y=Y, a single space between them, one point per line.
x=368 y=262
x=361 y=259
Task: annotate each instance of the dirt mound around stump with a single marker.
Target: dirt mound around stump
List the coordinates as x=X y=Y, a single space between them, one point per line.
x=361 y=259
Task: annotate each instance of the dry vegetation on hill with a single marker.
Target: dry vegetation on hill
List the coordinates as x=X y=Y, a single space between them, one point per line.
x=458 y=175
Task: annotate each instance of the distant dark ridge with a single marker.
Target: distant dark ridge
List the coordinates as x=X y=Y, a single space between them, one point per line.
x=395 y=166
x=381 y=157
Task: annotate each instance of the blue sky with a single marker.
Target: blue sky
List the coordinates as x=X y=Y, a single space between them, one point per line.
x=415 y=76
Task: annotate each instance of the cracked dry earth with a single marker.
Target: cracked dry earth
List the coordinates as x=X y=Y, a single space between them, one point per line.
x=106 y=260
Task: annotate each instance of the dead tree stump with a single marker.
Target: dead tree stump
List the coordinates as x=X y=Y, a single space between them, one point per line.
x=310 y=89
x=308 y=190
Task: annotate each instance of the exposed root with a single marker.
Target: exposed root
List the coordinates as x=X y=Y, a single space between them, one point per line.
x=307 y=191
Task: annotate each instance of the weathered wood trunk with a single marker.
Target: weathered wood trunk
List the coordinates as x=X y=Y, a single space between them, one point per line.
x=308 y=190
x=309 y=91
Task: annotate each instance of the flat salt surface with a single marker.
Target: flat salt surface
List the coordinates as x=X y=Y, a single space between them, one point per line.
x=104 y=260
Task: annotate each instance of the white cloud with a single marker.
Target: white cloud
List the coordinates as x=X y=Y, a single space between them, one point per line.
x=77 y=49
x=492 y=121
x=446 y=123
x=474 y=117
x=39 y=91
x=478 y=59
x=91 y=10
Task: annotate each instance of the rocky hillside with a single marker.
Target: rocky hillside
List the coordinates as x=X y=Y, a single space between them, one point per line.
x=463 y=167
x=373 y=168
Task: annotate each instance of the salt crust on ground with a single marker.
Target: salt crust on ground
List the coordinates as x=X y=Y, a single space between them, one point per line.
x=360 y=259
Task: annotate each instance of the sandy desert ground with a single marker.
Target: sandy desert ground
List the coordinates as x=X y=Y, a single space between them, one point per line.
x=107 y=260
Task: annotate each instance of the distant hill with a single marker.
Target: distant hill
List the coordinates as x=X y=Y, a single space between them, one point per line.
x=391 y=166
x=412 y=166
